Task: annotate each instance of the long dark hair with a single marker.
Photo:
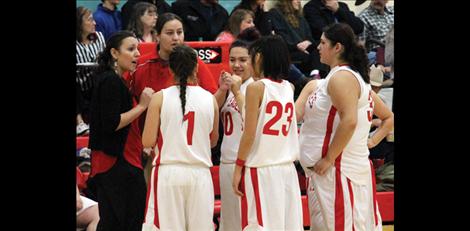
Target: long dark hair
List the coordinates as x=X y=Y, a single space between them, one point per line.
x=135 y=24
x=105 y=59
x=275 y=59
x=183 y=60
x=353 y=53
x=82 y=11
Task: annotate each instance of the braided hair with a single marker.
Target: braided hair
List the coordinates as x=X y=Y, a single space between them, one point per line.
x=183 y=61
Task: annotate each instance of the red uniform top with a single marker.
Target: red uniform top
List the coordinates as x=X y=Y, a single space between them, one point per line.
x=154 y=72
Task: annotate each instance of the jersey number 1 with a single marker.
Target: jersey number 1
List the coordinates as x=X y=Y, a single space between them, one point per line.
x=189 y=133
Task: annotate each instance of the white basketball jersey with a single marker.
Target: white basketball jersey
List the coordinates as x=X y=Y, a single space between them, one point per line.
x=186 y=139
x=233 y=126
x=319 y=128
x=276 y=140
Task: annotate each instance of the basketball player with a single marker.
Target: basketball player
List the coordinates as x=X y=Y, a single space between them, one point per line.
x=182 y=117
x=265 y=176
x=231 y=115
x=333 y=139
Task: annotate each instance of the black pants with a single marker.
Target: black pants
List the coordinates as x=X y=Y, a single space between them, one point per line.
x=121 y=194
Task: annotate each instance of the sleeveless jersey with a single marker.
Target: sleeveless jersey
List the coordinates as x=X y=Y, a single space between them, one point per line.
x=276 y=140
x=321 y=121
x=233 y=126
x=186 y=139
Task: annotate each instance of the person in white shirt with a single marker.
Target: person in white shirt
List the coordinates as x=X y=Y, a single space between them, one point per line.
x=184 y=119
x=265 y=176
x=334 y=140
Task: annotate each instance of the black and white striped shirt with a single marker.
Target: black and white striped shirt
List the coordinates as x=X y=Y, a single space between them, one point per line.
x=87 y=53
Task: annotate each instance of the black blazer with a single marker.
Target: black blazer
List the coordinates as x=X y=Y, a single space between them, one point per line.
x=196 y=25
x=318 y=16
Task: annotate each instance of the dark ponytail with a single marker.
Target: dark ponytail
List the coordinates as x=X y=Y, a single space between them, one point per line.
x=183 y=60
x=354 y=54
x=105 y=59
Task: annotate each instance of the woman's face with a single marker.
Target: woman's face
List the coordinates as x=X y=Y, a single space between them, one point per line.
x=296 y=4
x=326 y=50
x=149 y=19
x=240 y=62
x=127 y=54
x=172 y=34
x=89 y=24
x=246 y=22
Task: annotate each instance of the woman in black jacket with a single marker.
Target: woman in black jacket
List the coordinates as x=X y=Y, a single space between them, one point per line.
x=287 y=21
x=116 y=168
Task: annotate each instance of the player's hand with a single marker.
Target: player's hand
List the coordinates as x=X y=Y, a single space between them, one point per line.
x=225 y=81
x=237 y=176
x=322 y=166
x=146 y=96
x=236 y=83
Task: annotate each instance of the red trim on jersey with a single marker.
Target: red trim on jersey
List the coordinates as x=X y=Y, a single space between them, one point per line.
x=351 y=198
x=374 y=193
x=343 y=64
x=274 y=80
x=101 y=162
x=156 y=219
x=254 y=181
x=244 y=201
x=329 y=130
x=339 y=197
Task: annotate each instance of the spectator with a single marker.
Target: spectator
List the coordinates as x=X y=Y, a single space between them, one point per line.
x=187 y=117
x=142 y=22
x=116 y=163
x=203 y=19
x=320 y=13
x=88 y=44
x=378 y=19
x=264 y=170
x=108 y=17
x=258 y=7
x=334 y=146
x=239 y=20
x=127 y=9
x=87 y=213
x=288 y=22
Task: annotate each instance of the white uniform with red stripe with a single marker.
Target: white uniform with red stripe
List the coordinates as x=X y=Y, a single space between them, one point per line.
x=349 y=183
x=181 y=193
x=272 y=198
x=233 y=128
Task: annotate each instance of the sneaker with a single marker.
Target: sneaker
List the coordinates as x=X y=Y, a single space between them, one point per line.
x=82 y=128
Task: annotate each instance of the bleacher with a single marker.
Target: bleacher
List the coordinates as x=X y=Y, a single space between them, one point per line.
x=230 y=4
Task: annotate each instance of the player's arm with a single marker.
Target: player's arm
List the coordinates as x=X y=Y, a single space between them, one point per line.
x=384 y=114
x=344 y=91
x=214 y=136
x=302 y=99
x=152 y=121
x=254 y=92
